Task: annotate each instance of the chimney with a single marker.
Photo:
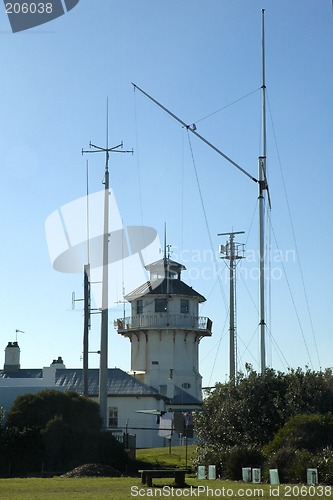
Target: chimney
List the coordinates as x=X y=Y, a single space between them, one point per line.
x=12 y=357
x=49 y=372
x=58 y=363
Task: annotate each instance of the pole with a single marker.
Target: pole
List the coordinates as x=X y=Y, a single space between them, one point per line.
x=86 y=329
x=232 y=353
x=103 y=370
x=232 y=254
x=185 y=452
x=192 y=128
x=103 y=367
x=262 y=185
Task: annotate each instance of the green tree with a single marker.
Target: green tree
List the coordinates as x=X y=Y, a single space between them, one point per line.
x=249 y=413
x=253 y=410
x=304 y=432
x=309 y=391
x=59 y=429
x=36 y=410
x=22 y=451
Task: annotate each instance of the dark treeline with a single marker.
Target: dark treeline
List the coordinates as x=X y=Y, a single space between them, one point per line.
x=56 y=431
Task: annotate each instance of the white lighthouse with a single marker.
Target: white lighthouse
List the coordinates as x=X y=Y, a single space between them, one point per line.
x=165 y=330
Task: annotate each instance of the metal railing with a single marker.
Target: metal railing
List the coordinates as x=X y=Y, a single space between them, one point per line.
x=164 y=320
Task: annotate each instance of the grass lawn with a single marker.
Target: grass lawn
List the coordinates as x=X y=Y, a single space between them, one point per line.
x=122 y=488
x=167 y=457
x=131 y=487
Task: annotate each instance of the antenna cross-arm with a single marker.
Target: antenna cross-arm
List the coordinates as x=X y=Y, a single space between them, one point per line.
x=114 y=149
x=192 y=129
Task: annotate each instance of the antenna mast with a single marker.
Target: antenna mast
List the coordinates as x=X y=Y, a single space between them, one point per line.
x=262 y=185
x=16 y=332
x=86 y=299
x=86 y=328
x=232 y=252
x=103 y=371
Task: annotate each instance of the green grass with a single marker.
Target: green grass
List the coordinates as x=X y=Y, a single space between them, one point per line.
x=131 y=487
x=120 y=488
x=164 y=457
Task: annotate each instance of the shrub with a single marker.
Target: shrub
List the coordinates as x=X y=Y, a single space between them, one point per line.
x=22 y=451
x=282 y=460
x=308 y=432
x=59 y=430
x=111 y=452
x=303 y=459
x=209 y=455
x=325 y=466
x=238 y=457
x=229 y=461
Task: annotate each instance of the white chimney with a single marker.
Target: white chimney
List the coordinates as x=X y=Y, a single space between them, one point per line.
x=49 y=372
x=12 y=357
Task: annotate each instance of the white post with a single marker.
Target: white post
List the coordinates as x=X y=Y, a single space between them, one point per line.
x=103 y=371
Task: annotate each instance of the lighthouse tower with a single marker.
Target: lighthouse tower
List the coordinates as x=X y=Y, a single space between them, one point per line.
x=165 y=330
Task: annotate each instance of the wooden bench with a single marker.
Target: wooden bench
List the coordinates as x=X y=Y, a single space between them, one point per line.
x=178 y=474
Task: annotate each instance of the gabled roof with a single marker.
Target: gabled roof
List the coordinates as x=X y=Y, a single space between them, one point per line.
x=119 y=382
x=164 y=286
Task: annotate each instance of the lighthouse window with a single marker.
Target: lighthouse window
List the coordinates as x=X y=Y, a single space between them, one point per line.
x=184 y=306
x=160 y=305
x=139 y=306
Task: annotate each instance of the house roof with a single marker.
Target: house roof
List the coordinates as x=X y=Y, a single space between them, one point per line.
x=22 y=373
x=119 y=382
x=163 y=286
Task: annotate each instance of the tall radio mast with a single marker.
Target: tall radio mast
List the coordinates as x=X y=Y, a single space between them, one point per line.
x=103 y=370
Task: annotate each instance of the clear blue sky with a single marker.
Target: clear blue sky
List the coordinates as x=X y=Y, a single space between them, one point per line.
x=196 y=57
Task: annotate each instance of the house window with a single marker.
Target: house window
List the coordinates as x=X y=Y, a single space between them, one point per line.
x=113 y=417
x=139 y=306
x=160 y=305
x=184 y=306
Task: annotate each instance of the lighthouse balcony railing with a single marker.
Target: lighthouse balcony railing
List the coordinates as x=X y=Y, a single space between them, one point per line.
x=165 y=321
